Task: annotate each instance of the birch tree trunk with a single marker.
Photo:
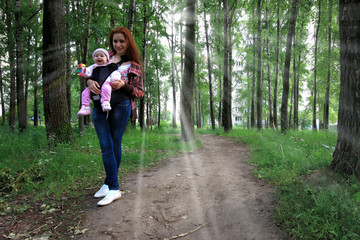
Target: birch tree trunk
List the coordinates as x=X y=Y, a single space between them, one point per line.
x=315 y=69
x=259 y=96
x=286 y=75
x=187 y=83
x=212 y=118
x=11 y=47
x=327 y=94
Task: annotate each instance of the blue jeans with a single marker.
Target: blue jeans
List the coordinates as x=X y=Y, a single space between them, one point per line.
x=110 y=132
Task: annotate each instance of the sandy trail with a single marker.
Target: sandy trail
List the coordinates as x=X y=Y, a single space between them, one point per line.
x=207 y=194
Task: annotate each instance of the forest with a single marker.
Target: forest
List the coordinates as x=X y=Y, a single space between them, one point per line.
x=279 y=66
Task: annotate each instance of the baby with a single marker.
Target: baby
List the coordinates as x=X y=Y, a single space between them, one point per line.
x=101 y=58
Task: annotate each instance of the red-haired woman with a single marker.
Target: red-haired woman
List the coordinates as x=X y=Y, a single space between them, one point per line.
x=110 y=129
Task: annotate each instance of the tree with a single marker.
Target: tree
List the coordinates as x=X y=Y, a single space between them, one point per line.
x=58 y=128
x=259 y=97
x=209 y=70
x=327 y=94
x=21 y=102
x=226 y=114
x=11 y=47
x=187 y=82
x=315 y=68
x=2 y=96
x=347 y=151
x=286 y=75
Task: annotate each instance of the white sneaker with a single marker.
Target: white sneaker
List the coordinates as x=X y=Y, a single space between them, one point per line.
x=110 y=197
x=102 y=192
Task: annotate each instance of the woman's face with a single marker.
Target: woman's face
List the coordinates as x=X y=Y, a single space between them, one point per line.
x=119 y=43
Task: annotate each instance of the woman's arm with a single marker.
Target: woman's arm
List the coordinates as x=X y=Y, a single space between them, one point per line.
x=94 y=86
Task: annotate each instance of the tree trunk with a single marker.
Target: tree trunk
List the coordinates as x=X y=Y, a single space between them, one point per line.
x=271 y=118
x=35 y=85
x=68 y=64
x=86 y=118
x=172 y=46
x=209 y=73
x=259 y=80
x=11 y=47
x=327 y=94
x=252 y=118
x=286 y=75
x=131 y=15
x=277 y=64
x=142 y=100
x=21 y=104
x=57 y=122
x=315 y=70
x=2 y=96
x=187 y=83
x=347 y=151
x=226 y=84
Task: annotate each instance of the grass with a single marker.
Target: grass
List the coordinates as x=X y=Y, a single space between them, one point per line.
x=312 y=201
x=36 y=176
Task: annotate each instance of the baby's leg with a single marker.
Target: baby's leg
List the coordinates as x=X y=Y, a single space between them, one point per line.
x=85 y=103
x=85 y=97
x=106 y=96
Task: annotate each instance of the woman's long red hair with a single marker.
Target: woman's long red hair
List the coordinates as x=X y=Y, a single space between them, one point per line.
x=132 y=51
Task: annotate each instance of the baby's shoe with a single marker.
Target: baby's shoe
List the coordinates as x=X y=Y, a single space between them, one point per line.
x=85 y=110
x=106 y=106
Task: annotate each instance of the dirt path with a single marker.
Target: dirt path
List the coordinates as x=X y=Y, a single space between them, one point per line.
x=207 y=194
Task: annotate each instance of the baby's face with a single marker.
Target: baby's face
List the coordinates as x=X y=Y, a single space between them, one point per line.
x=100 y=58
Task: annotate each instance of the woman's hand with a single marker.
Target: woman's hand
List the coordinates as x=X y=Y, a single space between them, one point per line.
x=94 y=86
x=117 y=84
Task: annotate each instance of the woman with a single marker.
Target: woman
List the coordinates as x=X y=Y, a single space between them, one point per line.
x=110 y=127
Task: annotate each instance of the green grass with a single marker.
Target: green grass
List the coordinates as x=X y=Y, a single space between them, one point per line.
x=51 y=174
x=313 y=202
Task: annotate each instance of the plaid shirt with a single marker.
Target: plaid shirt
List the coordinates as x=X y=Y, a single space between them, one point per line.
x=135 y=86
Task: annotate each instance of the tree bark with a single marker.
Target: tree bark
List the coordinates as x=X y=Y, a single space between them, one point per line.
x=271 y=118
x=347 y=151
x=212 y=118
x=277 y=64
x=2 y=97
x=226 y=83
x=259 y=97
x=131 y=15
x=286 y=75
x=327 y=94
x=68 y=64
x=315 y=69
x=11 y=47
x=57 y=122
x=21 y=104
x=142 y=100
x=187 y=83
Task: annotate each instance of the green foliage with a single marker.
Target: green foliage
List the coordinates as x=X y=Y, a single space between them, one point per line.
x=313 y=202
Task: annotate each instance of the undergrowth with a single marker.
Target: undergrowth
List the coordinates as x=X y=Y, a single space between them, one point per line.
x=313 y=201
x=49 y=177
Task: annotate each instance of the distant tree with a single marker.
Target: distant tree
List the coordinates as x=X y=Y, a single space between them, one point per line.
x=57 y=122
x=187 y=82
x=346 y=157
x=259 y=96
x=212 y=118
x=2 y=96
x=315 y=92
x=20 y=92
x=286 y=75
x=327 y=93
x=11 y=47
